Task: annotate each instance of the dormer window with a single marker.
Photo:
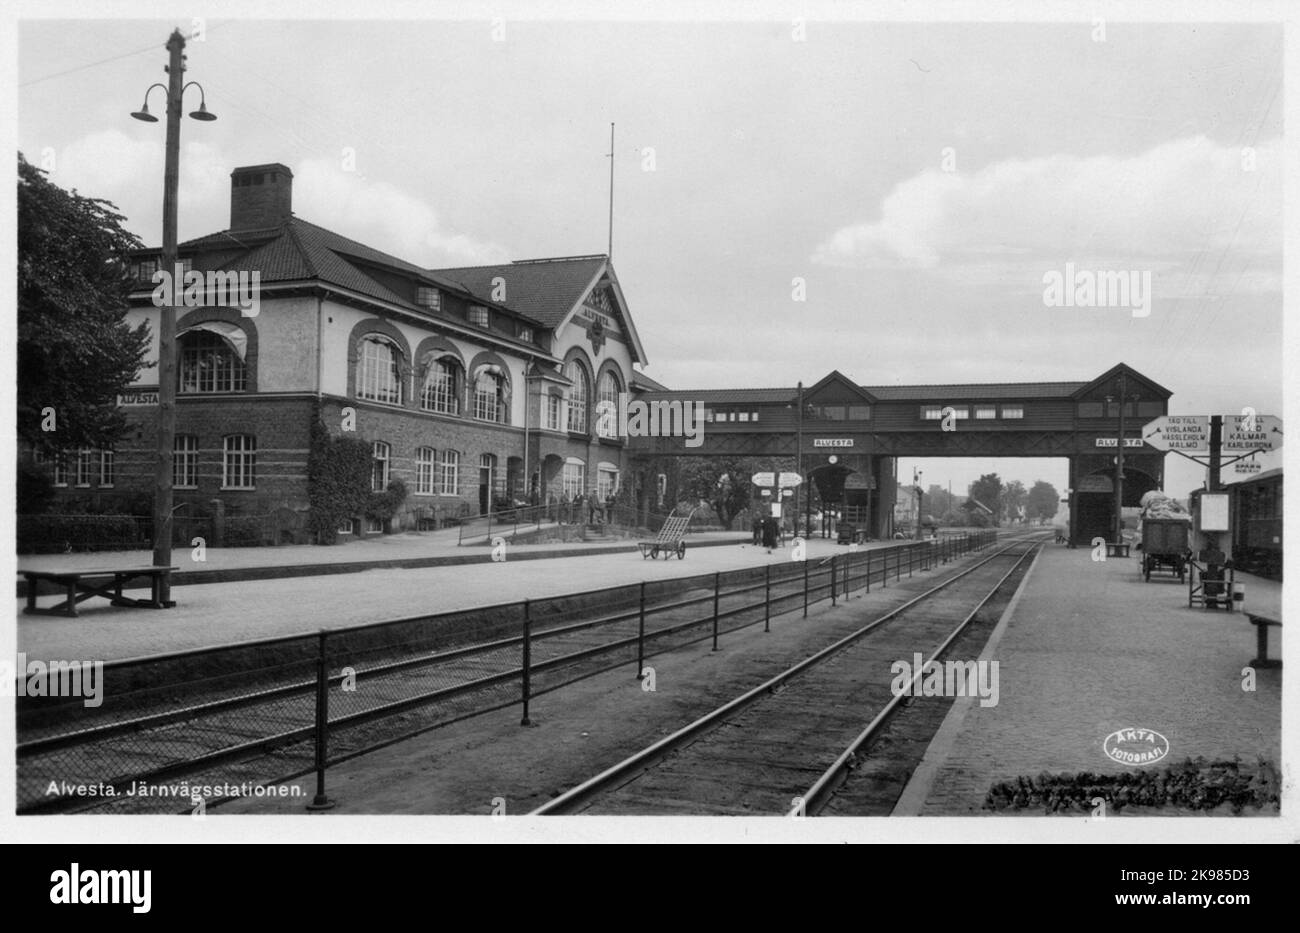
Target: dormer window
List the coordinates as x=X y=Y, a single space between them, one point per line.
x=526 y=334
x=478 y=315
x=428 y=297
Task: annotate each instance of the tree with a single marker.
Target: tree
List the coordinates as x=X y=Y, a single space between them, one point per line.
x=76 y=351
x=1013 y=499
x=988 y=490
x=1042 y=502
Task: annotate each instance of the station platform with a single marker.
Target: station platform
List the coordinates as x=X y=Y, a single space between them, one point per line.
x=1088 y=648
x=219 y=613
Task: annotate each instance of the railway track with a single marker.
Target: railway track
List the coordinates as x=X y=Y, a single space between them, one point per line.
x=787 y=745
x=208 y=731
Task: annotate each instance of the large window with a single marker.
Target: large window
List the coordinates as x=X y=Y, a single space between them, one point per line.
x=60 y=469
x=85 y=460
x=986 y=412
x=441 y=382
x=607 y=392
x=574 y=479
x=379 y=466
x=185 y=461
x=448 y=473
x=489 y=394
x=379 y=375
x=1013 y=411
x=107 y=468
x=553 y=408
x=238 y=461
x=208 y=363
x=606 y=481
x=578 y=395
x=424 y=471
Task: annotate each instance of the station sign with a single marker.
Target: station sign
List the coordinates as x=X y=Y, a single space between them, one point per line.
x=1185 y=433
x=1262 y=432
x=1113 y=442
x=138 y=398
x=833 y=442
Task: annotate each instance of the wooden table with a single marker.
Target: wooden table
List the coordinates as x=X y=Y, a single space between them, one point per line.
x=81 y=585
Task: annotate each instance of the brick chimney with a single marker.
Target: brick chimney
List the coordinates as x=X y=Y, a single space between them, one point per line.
x=260 y=196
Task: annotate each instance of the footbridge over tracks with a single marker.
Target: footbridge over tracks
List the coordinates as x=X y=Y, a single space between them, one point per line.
x=845 y=436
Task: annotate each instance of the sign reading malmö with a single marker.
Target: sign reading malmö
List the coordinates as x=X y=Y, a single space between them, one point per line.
x=1184 y=433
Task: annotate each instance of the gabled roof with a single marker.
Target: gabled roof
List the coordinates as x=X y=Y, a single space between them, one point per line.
x=1114 y=372
x=976 y=390
x=549 y=290
x=545 y=289
x=643 y=383
x=835 y=378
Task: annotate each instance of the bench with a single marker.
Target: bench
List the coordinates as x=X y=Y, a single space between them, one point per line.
x=1262 y=624
x=81 y=585
x=669 y=540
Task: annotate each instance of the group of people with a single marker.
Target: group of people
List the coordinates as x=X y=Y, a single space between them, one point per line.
x=595 y=510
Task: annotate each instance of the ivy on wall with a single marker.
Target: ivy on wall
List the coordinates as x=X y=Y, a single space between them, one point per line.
x=338 y=481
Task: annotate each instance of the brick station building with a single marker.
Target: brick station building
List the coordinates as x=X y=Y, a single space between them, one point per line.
x=475 y=386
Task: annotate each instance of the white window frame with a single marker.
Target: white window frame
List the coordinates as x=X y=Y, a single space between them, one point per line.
x=986 y=412
x=439 y=393
x=578 y=419
x=489 y=405
x=381 y=457
x=479 y=315
x=60 y=470
x=240 y=452
x=107 y=468
x=425 y=458
x=372 y=385
x=931 y=412
x=554 y=412
x=85 y=461
x=225 y=372
x=573 y=479
x=608 y=387
x=185 y=461
x=426 y=296
x=448 y=474
x=1013 y=411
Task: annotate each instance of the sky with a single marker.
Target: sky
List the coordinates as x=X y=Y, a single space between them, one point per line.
x=790 y=197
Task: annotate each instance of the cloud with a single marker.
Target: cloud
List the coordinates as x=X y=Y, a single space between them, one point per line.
x=1180 y=204
x=384 y=216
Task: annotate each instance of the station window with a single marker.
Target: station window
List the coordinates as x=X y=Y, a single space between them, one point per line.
x=753 y=416
x=574 y=479
x=1013 y=411
x=378 y=373
x=859 y=412
x=379 y=466
x=526 y=334
x=238 y=461
x=85 y=458
x=985 y=412
x=448 y=472
x=931 y=412
x=553 y=403
x=478 y=315
x=185 y=461
x=1092 y=410
x=60 y=469
x=744 y=416
x=424 y=471
x=428 y=297
x=106 y=467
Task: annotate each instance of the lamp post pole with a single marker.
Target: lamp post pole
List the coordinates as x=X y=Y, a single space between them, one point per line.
x=162 y=501
x=916 y=481
x=798 y=461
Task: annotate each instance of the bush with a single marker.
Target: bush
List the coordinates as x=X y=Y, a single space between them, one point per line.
x=338 y=482
x=382 y=506
x=35 y=491
x=56 y=534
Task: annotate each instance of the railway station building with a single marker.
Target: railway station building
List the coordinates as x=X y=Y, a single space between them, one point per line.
x=474 y=386
x=478 y=387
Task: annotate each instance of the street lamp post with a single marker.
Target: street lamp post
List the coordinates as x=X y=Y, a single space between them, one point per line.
x=1119 y=458
x=162 y=504
x=916 y=481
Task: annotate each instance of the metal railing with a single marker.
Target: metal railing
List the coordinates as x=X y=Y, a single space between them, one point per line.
x=268 y=711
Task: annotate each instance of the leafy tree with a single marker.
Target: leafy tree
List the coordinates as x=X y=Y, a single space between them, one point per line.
x=1042 y=502
x=988 y=490
x=76 y=351
x=1013 y=498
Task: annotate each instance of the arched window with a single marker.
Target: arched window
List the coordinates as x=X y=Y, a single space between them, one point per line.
x=210 y=362
x=490 y=394
x=441 y=392
x=607 y=393
x=579 y=395
x=379 y=375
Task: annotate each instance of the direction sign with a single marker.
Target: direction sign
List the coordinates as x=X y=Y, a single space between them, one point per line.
x=1261 y=432
x=768 y=480
x=1185 y=433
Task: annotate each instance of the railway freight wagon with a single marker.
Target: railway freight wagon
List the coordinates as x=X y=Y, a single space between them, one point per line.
x=1256 y=509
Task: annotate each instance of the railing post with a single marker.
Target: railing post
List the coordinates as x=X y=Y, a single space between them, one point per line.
x=884 y=571
x=640 y=634
x=868 y=571
x=526 y=687
x=833 y=580
x=911 y=556
x=321 y=801
x=717 y=578
x=805 y=586
x=767 y=597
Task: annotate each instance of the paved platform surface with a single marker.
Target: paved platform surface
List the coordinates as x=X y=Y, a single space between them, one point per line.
x=1087 y=649
x=213 y=614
